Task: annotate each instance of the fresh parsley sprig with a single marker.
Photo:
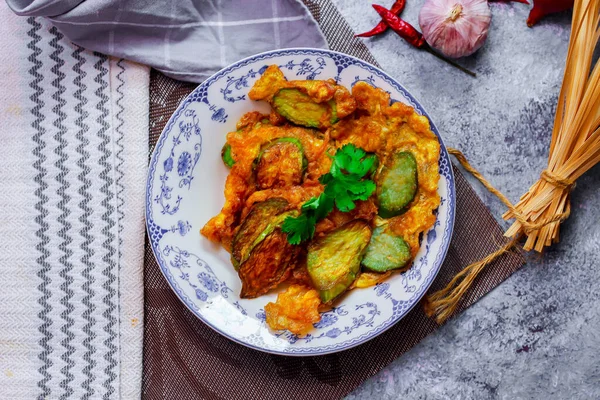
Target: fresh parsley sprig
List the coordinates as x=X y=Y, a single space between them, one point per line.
x=345 y=183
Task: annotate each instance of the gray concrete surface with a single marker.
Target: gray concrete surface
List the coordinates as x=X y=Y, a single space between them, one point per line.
x=536 y=336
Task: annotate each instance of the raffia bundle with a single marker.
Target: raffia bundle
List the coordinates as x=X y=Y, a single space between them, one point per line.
x=575 y=148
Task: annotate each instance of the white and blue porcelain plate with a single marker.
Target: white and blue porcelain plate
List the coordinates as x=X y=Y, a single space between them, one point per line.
x=185 y=189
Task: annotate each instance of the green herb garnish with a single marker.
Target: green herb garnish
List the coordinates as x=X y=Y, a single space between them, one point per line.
x=345 y=183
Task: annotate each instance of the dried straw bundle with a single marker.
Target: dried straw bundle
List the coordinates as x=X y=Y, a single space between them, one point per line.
x=575 y=148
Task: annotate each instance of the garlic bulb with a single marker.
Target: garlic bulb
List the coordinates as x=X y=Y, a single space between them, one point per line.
x=457 y=28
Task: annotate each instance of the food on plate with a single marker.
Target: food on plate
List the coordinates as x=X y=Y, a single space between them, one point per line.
x=386 y=251
x=367 y=279
x=280 y=163
x=333 y=260
x=262 y=219
x=396 y=184
x=299 y=108
x=330 y=192
x=270 y=263
x=314 y=104
x=226 y=155
x=296 y=309
x=347 y=182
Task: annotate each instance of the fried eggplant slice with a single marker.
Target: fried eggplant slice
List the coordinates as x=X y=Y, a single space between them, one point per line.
x=313 y=104
x=333 y=260
x=386 y=251
x=280 y=163
x=309 y=103
x=270 y=263
x=226 y=155
x=258 y=219
x=396 y=184
x=274 y=223
x=298 y=107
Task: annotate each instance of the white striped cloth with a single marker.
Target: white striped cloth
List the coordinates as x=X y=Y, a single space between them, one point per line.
x=73 y=156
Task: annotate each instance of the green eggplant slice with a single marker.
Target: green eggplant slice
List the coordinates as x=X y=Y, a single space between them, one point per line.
x=258 y=219
x=333 y=260
x=299 y=108
x=386 y=251
x=396 y=184
x=271 y=262
x=226 y=155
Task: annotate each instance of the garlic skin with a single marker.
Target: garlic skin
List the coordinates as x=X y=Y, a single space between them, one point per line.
x=457 y=28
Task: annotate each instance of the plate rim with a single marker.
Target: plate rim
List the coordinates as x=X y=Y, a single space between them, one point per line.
x=451 y=201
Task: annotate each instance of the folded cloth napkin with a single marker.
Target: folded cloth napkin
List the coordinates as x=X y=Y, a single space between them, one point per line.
x=186 y=40
x=73 y=156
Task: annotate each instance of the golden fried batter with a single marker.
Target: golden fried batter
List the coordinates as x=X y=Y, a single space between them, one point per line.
x=280 y=166
x=367 y=279
x=296 y=310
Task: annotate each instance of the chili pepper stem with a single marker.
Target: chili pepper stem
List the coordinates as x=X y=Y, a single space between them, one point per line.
x=428 y=48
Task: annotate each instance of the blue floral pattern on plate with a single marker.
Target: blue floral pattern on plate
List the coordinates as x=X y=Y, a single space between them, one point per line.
x=188 y=126
x=185 y=186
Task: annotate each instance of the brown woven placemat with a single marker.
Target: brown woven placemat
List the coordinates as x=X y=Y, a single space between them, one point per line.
x=185 y=359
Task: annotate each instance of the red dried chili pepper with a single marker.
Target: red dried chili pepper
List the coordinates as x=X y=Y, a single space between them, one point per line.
x=381 y=27
x=541 y=8
x=411 y=35
x=401 y=27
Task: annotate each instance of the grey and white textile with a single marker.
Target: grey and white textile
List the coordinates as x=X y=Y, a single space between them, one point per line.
x=186 y=40
x=73 y=156
x=73 y=164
